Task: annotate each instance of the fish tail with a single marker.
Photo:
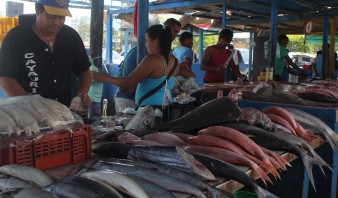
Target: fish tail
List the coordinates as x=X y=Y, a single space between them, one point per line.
x=262 y=193
x=308 y=162
x=265 y=178
x=331 y=140
x=281 y=161
x=321 y=162
x=271 y=168
x=334 y=138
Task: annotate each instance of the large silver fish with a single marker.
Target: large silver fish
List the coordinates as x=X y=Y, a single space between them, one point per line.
x=174 y=157
x=191 y=179
x=27 y=173
x=143 y=122
x=229 y=171
x=119 y=181
x=70 y=190
x=101 y=188
x=167 y=182
x=8 y=183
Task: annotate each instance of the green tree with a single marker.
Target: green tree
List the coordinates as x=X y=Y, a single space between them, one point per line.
x=297 y=44
x=84 y=28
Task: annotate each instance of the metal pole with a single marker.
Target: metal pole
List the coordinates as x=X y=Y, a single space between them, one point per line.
x=109 y=36
x=250 y=57
x=200 y=46
x=96 y=32
x=325 y=47
x=224 y=15
x=273 y=33
x=142 y=19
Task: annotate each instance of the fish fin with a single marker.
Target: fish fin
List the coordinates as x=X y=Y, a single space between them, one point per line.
x=308 y=162
x=265 y=178
x=334 y=138
x=262 y=193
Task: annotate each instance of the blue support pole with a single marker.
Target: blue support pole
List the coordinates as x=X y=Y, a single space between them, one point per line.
x=191 y=29
x=109 y=36
x=142 y=18
x=250 y=57
x=224 y=15
x=126 y=38
x=200 y=46
x=273 y=33
x=325 y=46
x=334 y=169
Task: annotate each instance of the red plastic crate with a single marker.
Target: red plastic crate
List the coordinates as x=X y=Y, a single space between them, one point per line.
x=52 y=150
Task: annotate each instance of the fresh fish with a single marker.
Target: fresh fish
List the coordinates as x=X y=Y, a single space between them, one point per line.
x=119 y=181
x=228 y=156
x=101 y=188
x=216 y=111
x=70 y=190
x=127 y=137
x=272 y=141
x=183 y=136
x=144 y=143
x=22 y=119
x=314 y=125
x=301 y=143
x=281 y=121
x=27 y=173
x=143 y=122
x=279 y=111
x=256 y=117
x=59 y=109
x=33 y=193
x=269 y=95
x=174 y=157
x=242 y=141
x=153 y=190
x=213 y=141
x=8 y=183
x=229 y=171
x=46 y=116
x=167 y=182
x=7 y=124
x=214 y=192
x=165 y=139
x=317 y=97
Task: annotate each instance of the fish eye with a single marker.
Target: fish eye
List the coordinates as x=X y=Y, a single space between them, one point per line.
x=146 y=122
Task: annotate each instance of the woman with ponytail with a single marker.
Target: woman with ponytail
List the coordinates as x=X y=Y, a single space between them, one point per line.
x=152 y=70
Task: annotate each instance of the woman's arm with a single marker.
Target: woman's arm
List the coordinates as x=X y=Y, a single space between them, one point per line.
x=142 y=71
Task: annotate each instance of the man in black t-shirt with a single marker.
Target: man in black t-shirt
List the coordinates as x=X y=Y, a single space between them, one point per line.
x=40 y=57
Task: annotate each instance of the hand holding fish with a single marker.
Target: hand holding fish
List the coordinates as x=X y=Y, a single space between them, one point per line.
x=98 y=76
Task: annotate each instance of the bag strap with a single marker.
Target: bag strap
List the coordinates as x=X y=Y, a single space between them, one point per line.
x=151 y=92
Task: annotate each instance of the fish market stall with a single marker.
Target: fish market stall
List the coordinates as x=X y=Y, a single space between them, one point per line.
x=194 y=155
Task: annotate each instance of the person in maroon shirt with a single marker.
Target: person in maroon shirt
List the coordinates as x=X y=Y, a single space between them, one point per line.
x=215 y=60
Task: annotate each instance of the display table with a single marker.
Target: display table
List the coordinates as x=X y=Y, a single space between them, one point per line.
x=327 y=185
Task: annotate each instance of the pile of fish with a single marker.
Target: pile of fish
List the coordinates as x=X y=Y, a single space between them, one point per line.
x=307 y=94
x=29 y=114
x=247 y=137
